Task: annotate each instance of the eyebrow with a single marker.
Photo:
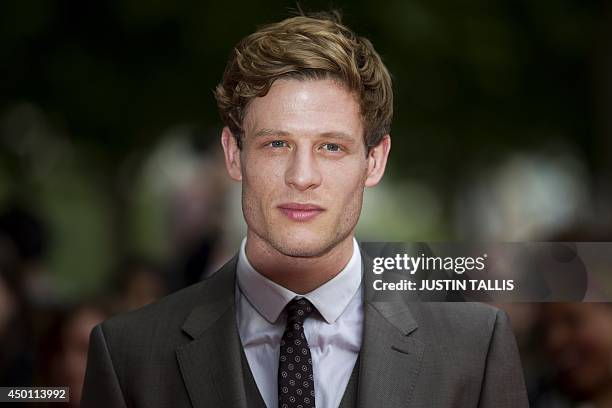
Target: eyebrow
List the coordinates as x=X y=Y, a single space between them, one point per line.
x=278 y=132
x=270 y=132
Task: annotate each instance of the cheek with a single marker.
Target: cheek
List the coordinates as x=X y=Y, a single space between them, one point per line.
x=260 y=179
x=260 y=166
x=347 y=182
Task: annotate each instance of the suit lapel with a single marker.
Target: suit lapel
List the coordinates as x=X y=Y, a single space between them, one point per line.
x=210 y=364
x=391 y=353
x=254 y=398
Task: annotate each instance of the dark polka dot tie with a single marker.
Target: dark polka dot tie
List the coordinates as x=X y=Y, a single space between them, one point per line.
x=295 y=380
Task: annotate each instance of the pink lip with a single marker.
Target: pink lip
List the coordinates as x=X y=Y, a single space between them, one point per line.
x=300 y=212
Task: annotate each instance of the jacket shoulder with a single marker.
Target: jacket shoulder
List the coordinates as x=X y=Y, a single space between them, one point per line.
x=168 y=314
x=472 y=322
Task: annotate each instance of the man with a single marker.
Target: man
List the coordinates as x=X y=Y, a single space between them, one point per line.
x=291 y=320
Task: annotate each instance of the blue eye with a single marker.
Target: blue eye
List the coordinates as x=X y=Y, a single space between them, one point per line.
x=277 y=143
x=332 y=147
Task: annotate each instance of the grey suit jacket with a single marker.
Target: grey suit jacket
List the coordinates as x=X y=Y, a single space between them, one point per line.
x=184 y=351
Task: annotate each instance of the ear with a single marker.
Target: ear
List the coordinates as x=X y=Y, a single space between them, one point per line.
x=377 y=161
x=231 y=152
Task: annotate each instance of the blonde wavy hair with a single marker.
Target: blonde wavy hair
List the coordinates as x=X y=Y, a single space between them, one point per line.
x=307 y=47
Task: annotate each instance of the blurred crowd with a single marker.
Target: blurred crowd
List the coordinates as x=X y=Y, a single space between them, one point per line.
x=43 y=341
x=566 y=352
x=44 y=333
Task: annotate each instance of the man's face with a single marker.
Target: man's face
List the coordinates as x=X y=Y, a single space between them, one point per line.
x=303 y=166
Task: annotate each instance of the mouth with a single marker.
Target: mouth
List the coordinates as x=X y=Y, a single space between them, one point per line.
x=300 y=212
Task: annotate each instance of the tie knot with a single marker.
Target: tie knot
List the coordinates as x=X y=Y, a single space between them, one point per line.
x=298 y=310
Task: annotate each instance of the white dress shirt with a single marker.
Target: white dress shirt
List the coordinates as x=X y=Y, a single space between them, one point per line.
x=333 y=334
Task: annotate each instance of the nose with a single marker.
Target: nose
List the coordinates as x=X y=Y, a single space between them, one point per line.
x=302 y=172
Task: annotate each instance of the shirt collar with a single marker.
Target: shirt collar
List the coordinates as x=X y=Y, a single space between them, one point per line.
x=270 y=298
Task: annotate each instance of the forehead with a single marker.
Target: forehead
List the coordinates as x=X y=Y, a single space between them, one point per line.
x=305 y=106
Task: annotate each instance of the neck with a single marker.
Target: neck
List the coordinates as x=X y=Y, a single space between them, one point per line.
x=299 y=275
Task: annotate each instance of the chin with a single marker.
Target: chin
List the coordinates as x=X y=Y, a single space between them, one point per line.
x=303 y=244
